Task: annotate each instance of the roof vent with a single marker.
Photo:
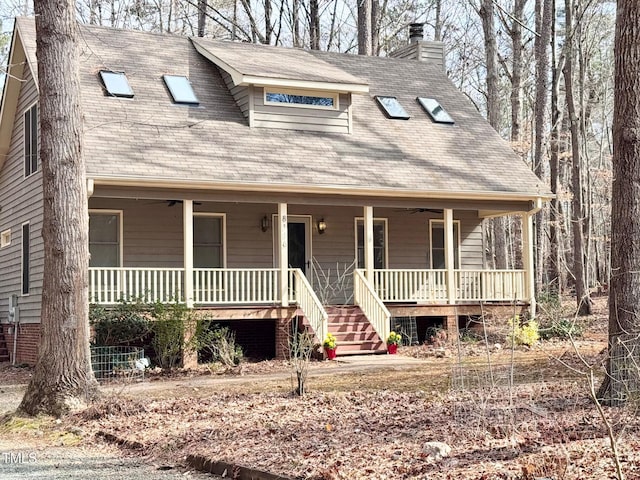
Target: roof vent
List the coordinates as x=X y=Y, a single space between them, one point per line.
x=416 y=32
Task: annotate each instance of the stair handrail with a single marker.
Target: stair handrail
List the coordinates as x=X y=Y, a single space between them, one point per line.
x=371 y=304
x=309 y=303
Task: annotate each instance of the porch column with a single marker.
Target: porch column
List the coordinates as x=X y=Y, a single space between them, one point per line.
x=528 y=262
x=283 y=235
x=187 y=221
x=368 y=243
x=449 y=261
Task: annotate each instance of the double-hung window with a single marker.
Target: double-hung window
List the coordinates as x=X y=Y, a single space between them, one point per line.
x=379 y=243
x=31 y=141
x=436 y=234
x=208 y=241
x=105 y=233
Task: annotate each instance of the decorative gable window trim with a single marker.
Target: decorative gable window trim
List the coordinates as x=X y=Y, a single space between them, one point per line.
x=5 y=238
x=392 y=107
x=116 y=84
x=301 y=98
x=436 y=111
x=180 y=89
x=31 y=155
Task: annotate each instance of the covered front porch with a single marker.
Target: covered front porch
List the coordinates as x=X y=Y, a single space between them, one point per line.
x=229 y=252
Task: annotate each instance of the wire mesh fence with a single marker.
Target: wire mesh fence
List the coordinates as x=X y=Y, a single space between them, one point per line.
x=118 y=364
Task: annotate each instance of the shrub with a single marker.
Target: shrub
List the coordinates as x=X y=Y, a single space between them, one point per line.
x=126 y=324
x=168 y=332
x=562 y=328
x=155 y=327
x=219 y=342
x=522 y=333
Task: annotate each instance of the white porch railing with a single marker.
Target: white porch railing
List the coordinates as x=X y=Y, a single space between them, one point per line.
x=224 y=286
x=411 y=285
x=371 y=304
x=302 y=294
x=110 y=285
x=490 y=285
x=405 y=285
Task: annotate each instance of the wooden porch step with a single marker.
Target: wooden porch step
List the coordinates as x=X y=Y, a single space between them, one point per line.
x=354 y=334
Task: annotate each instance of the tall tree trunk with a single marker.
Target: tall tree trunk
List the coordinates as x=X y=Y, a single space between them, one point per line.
x=555 y=227
x=268 y=27
x=543 y=27
x=364 y=27
x=63 y=375
x=314 y=25
x=624 y=309
x=437 y=28
x=584 y=302
x=202 y=17
x=295 y=20
x=500 y=254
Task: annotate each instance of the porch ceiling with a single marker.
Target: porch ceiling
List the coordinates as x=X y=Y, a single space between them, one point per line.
x=497 y=206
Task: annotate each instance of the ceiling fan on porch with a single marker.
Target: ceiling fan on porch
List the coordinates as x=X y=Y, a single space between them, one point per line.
x=171 y=203
x=421 y=210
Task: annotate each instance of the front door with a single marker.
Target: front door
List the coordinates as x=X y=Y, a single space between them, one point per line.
x=299 y=243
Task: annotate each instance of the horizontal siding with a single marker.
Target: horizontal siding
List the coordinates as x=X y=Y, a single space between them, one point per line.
x=21 y=200
x=300 y=118
x=153 y=235
x=240 y=93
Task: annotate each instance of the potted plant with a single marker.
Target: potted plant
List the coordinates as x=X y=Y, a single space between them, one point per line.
x=393 y=340
x=330 y=346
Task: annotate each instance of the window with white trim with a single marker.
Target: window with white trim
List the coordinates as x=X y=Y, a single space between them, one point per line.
x=5 y=238
x=105 y=234
x=31 y=141
x=301 y=98
x=208 y=241
x=436 y=240
x=379 y=243
x=26 y=258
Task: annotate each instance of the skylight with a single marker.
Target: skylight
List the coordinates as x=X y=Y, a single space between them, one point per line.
x=116 y=84
x=437 y=113
x=180 y=89
x=392 y=107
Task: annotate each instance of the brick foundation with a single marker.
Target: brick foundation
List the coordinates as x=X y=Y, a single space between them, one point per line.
x=28 y=341
x=283 y=327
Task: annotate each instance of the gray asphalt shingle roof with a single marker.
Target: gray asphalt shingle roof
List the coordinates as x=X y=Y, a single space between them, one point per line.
x=150 y=137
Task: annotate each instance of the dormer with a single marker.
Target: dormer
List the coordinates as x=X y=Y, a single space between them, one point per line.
x=285 y=88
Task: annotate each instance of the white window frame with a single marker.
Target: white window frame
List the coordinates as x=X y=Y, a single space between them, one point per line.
x=24 y=143
x=5 y=238
x=223 y=216
x=120 y=214
x=22 y=271
x=383 y=220
x=433 y=221
x=305 y=93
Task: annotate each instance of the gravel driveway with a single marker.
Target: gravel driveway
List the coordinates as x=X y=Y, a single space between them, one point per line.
x=80 y=463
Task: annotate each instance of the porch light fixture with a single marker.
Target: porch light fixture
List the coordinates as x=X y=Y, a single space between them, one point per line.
x=264 y=223
x=322 y=226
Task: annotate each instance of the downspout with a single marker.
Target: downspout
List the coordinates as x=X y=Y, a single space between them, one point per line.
x=15 y=343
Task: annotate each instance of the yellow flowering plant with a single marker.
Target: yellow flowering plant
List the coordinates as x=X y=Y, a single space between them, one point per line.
x=394 y=338
x=329 y=341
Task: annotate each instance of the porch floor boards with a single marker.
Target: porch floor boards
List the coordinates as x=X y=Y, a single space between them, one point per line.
x=354 y=334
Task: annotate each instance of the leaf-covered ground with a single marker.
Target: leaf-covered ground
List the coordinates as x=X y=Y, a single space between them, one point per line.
x=522 y=414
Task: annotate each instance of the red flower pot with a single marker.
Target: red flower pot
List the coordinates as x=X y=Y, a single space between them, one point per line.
x=392 y=348
x=331 y=353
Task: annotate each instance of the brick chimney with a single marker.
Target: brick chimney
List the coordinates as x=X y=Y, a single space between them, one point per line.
x=418 y=49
